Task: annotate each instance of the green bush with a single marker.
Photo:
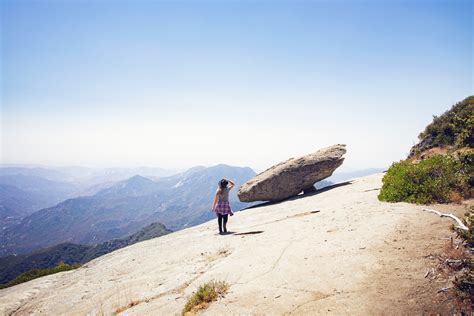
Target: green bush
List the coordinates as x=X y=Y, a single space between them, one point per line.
x=468 y=235
x=36 y=273
x=205 y=294
x=439 y=179
x=454 y=128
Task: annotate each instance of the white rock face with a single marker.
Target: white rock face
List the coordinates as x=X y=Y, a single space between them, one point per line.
x=292 y=176
x=337 y=252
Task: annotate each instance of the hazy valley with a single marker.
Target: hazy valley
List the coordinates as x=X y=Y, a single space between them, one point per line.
x=120 y=209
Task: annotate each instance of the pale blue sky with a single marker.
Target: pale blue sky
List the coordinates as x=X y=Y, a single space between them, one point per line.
x=177 y=84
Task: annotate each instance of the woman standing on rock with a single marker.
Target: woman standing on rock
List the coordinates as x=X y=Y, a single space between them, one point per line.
x=221 y=204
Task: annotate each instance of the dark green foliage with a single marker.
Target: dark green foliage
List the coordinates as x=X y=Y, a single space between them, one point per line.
x=36 y=273
x=455 y=128
x=439 y=179
x=464 y=282
x=468 y=235
x=12 y=266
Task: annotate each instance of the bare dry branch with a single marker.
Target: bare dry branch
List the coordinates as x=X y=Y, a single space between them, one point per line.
x=458 y=221
x=444 y=289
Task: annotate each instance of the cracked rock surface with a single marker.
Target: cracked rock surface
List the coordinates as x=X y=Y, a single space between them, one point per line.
x=336 y=252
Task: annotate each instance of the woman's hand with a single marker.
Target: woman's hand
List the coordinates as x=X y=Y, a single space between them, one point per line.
x=213 y=209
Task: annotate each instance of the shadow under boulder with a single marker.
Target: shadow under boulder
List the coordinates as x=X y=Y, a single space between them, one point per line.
x=291 y=177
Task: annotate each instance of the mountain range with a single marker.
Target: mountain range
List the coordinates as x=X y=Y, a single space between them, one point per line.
x=21 y=195
x=24 y=190
x=85 y=176
x=177 y=201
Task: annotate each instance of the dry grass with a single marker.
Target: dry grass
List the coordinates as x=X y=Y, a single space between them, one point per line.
x=455 y=197
x=223 y=252
x=455 y=250
x=205 y=294
x=124 y=308
x=453 y=258
x=456 y=264
x=464 y=274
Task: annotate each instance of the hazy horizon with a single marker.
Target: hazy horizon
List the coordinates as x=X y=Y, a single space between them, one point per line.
x=343 y=168
x=176 y=85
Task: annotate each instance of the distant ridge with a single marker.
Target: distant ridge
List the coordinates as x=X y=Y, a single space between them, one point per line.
x=134 y=186
x=341 y=176
x=177 y=201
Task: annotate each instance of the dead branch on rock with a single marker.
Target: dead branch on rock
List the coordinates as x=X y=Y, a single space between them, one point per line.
x=456 y=264
x=444 y=289
x=458 y=221
x=376 y=189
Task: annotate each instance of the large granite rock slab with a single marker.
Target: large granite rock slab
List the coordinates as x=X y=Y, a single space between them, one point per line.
x=292 y=176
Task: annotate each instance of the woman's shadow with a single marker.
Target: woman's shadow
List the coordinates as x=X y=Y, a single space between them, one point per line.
x=254 y=232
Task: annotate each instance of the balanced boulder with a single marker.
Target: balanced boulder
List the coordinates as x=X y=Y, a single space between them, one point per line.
x=291 y=177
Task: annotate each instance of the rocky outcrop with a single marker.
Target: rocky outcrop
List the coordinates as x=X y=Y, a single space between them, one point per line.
x=276 y=263
x=425 y=143
x=451 y=131
x=290 y=177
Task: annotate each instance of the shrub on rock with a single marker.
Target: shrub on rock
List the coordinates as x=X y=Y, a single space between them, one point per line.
x=439 y=179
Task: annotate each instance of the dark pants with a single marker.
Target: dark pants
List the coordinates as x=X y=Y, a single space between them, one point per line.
x=222 y=220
